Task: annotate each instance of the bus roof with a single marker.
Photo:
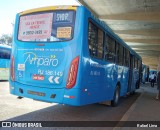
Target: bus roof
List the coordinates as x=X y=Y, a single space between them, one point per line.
x=49 y=8
x=5 y=46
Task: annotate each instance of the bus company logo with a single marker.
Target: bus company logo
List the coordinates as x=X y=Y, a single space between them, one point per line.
x=6 y=124
x=33 y=59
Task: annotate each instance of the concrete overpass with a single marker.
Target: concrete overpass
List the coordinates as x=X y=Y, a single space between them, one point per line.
x=137 y=22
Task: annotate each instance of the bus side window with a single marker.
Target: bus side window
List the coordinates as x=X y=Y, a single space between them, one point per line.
x=105 y=47
x=110 y=49
x=139 y=65
x=95 y=40
x=1 y=54
x=133 y=62
x=136 y=63
x=100 y=44
x=126 y=57
x=92 y=39
x=119 y=54
x=4 y=54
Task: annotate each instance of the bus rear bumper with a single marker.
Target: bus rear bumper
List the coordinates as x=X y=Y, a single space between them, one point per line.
x=37 y=93
x=52 y=95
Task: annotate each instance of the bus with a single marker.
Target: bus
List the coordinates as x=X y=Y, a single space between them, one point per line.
x=65 y=55
x=145 y=73
x=5 y=52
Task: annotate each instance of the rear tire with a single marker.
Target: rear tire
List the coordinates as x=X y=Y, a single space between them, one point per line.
x=19 y=97
x=133 y=92
x=137 y=84
x=115 y=100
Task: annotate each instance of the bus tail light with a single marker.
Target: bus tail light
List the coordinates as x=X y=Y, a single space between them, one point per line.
x=72 y=75
x=12 y=69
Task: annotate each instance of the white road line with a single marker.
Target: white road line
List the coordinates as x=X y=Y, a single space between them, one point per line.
x=128 y=113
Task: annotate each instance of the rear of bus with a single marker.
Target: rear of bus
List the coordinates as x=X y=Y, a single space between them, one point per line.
x=45 y=61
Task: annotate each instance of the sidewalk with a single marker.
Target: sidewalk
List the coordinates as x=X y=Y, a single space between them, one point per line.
x=145 y=108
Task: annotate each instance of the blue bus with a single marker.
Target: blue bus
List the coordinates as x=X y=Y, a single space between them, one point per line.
x=5 y=52
x=64 y=54
x=145 y=73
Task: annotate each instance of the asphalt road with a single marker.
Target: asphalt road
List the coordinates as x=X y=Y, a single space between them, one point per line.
x=13 y=109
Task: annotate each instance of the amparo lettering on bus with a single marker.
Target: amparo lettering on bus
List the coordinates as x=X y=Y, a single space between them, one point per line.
x=33 y=59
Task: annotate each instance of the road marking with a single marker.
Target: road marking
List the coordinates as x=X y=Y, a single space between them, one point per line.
x=127 y=114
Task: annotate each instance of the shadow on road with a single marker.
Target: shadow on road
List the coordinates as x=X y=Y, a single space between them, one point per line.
x=94 y=112
x=3 y=80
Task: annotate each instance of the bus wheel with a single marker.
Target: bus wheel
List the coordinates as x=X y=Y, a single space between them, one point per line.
x=19 y=97
x=115 y=100
x=133 y=92
x=137 y=85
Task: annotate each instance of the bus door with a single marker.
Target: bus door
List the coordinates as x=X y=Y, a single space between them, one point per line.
x=130 y=73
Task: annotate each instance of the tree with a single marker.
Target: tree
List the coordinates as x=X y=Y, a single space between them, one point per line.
x=6 y=39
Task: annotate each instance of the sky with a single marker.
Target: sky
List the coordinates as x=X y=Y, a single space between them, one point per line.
x=9 y=9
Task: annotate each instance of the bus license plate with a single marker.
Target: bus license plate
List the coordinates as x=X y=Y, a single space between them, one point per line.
x=36 y=93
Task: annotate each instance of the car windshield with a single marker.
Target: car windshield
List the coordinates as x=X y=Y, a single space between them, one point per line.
x=47 y=26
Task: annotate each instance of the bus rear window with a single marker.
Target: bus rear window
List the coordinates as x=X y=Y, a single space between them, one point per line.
x=47 y=26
